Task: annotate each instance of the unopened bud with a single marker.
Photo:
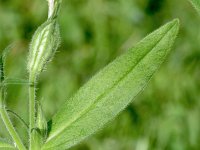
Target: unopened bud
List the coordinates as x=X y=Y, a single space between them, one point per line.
x=39 y=133
x=37 y=139
x=41 y=122
x=44 y=44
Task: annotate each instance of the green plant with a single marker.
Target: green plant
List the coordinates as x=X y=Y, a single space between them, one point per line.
x=98 y=101
x=196 y=4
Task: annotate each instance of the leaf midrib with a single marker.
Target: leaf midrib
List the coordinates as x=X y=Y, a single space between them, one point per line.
x=105 y=93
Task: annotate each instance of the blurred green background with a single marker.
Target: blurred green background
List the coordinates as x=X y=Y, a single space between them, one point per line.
x=166 y=116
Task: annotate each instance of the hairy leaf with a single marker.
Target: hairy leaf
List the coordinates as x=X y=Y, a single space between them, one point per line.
x=2 y=61
x=111 y=90
x=196 y=4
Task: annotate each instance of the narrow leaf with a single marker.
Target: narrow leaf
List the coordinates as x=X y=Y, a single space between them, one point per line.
x=18 y=117
x=111 y=90
x=6 y=51
x=196 y=4
x=3 y=61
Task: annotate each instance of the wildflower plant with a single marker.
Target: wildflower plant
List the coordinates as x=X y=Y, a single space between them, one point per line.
x=101 y=99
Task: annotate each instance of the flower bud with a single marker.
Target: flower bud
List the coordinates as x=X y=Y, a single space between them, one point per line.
x=37 y=139
x=44 y=44
x=41 y=122
x=39 y=133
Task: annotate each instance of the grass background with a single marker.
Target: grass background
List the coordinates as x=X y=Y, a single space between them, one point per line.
x=166 y=116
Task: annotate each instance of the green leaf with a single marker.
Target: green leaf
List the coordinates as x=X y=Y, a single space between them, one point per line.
x=18 y=117
x=5 y=145
x=196 y=4
x=2 y=61
x=111 y=90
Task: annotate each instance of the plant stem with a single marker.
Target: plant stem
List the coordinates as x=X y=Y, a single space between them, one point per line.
x=32 y=100
x=9 y=125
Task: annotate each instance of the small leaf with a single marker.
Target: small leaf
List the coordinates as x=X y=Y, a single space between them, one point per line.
x=196 y=4
x=3 y=60
x=111 y=90
x=2 y=73
x=18 y=117
x=6 y=146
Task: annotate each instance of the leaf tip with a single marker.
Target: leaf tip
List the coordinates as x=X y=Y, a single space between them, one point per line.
x=176 y=22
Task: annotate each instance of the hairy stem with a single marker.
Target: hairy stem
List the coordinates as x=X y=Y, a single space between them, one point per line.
x=32 y=109
x=40 y=54
x=8 y=124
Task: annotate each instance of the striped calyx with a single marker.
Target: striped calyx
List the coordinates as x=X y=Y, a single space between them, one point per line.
x=44 y=44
